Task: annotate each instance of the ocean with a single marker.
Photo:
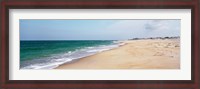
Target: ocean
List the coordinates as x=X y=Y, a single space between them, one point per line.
x=50 y=54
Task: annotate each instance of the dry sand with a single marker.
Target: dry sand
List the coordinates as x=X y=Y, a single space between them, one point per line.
x=135 y=54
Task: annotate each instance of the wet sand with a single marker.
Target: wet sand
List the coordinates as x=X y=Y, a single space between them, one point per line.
x=135 y=54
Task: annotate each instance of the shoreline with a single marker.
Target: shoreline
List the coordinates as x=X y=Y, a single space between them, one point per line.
x=134 y=54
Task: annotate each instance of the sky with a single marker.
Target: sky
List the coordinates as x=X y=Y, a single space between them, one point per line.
x=97 y=29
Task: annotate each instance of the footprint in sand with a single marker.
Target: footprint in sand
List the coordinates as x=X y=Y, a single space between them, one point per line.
x=158 y=54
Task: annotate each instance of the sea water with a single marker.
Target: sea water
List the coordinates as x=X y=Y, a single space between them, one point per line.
x=50 y=54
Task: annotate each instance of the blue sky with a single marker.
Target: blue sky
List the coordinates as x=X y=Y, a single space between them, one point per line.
x=97 y=29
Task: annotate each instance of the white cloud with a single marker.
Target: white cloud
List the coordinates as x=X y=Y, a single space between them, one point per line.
x=127 y=29
x=163 y=28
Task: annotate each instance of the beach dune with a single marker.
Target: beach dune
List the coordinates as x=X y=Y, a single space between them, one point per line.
x=134 y=54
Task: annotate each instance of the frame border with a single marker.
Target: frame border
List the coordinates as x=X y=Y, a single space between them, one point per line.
x=6 y=83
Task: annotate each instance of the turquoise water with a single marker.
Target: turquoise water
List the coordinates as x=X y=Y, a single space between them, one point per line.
x=50 y=54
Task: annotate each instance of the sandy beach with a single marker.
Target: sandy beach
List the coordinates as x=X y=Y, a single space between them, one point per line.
x=134 y=54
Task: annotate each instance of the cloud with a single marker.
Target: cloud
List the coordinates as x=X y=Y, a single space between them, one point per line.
x=157 y=25
x=145 y=28
x=163 y=28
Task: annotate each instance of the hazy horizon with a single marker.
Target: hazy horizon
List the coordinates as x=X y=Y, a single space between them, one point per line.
x=97 y=29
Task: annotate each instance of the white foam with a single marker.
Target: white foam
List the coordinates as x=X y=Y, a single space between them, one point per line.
x=50 y=65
